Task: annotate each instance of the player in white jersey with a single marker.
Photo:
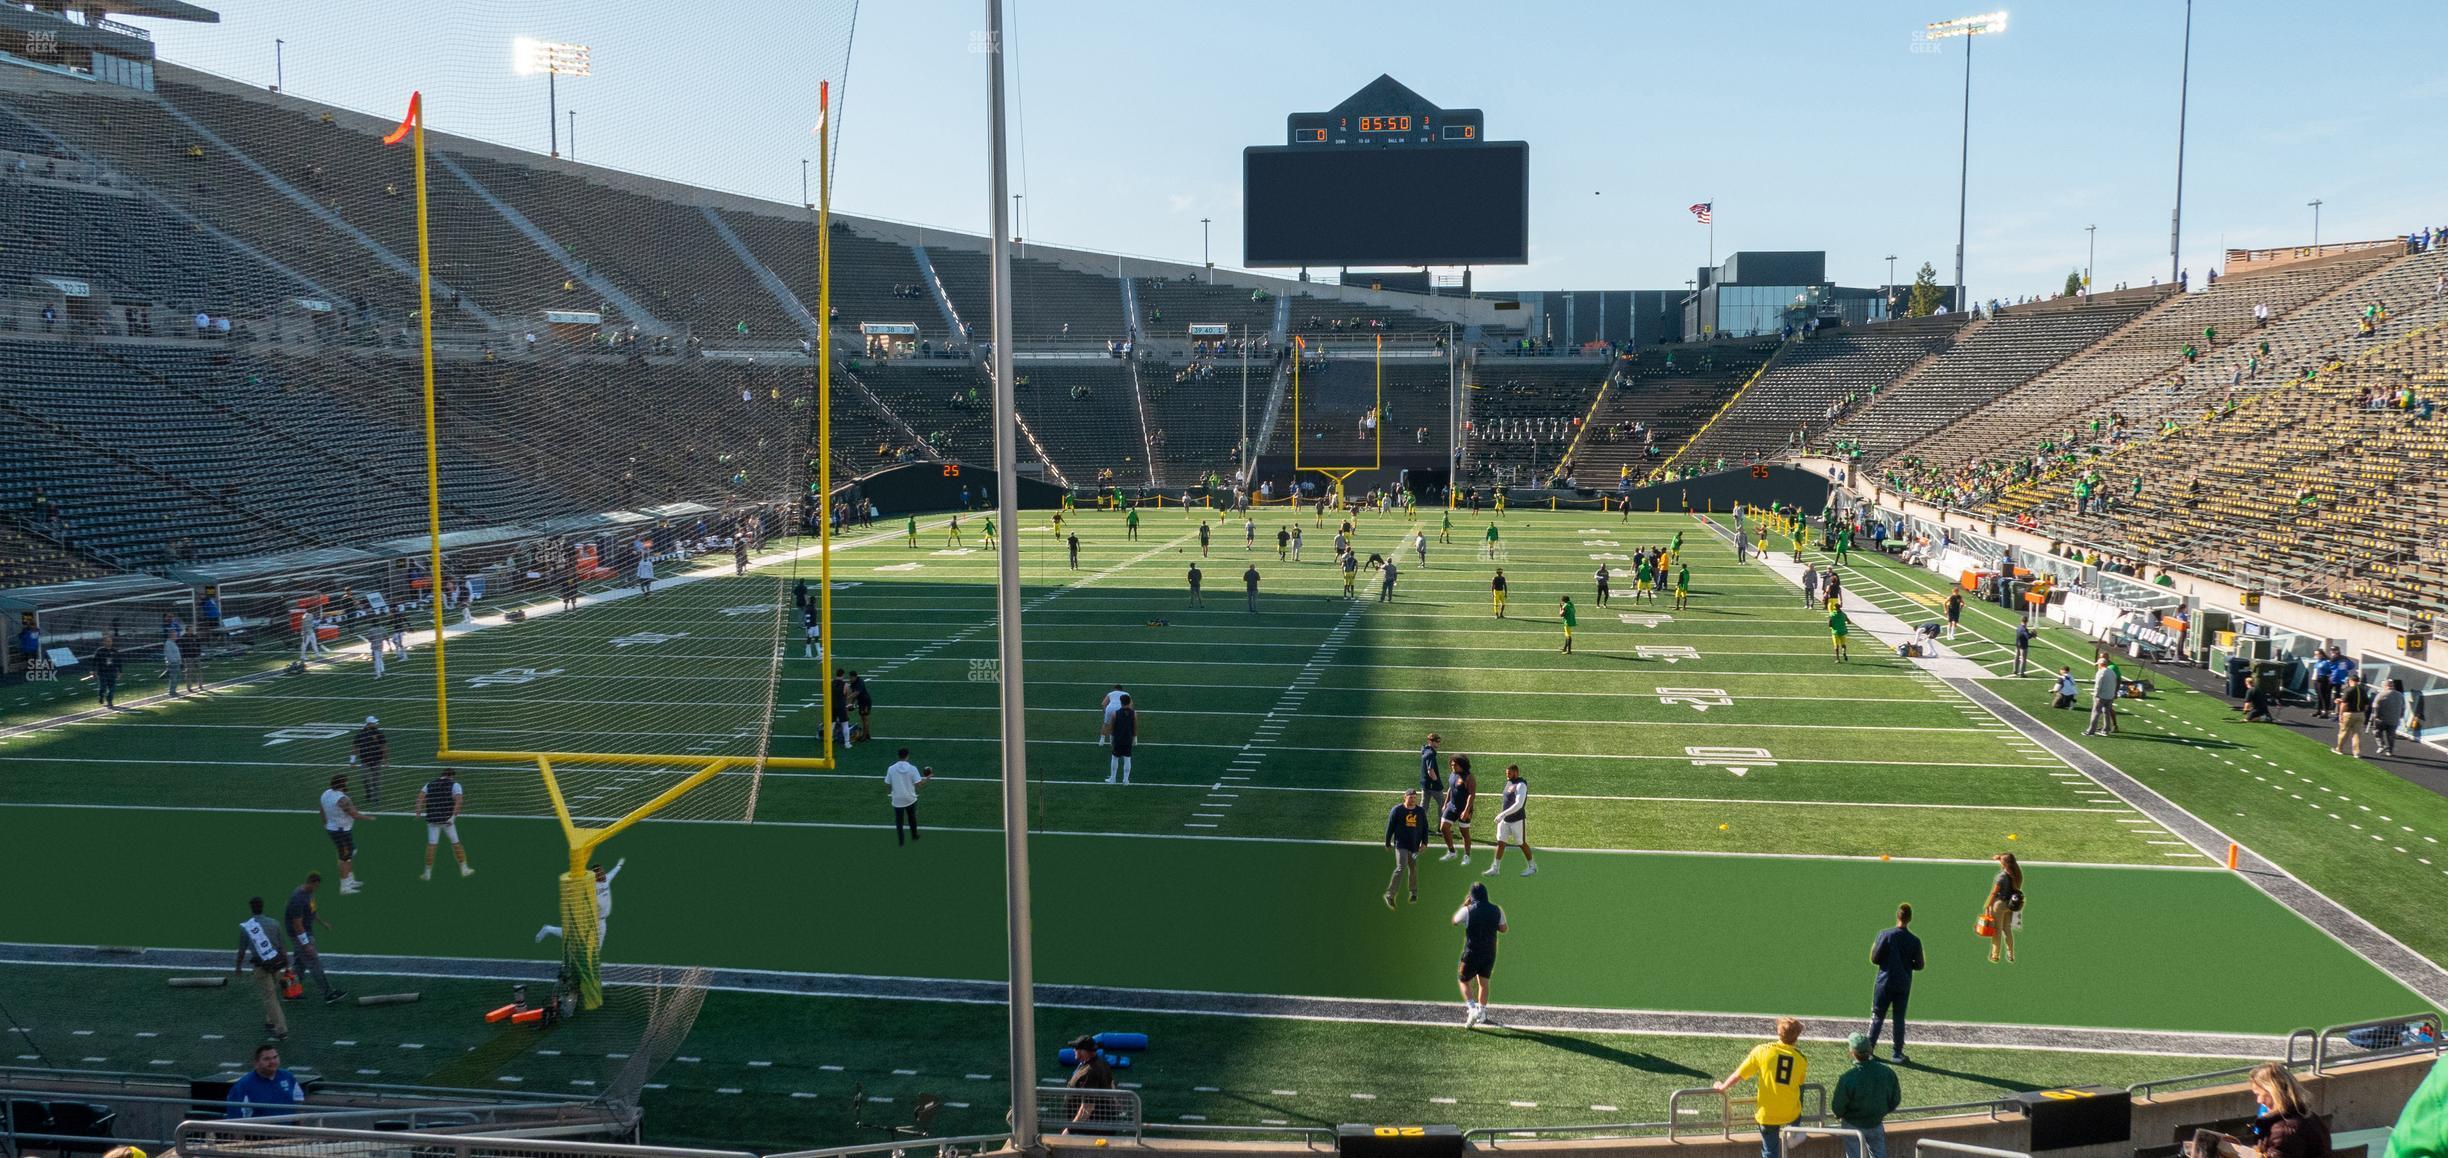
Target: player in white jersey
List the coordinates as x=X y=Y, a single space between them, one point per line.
x=603 y=904
x=340 y=817
x=1113 y=703
x=440 y=801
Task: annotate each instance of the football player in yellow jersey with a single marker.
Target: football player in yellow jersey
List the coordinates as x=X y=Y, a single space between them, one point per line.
x=1780 y=1070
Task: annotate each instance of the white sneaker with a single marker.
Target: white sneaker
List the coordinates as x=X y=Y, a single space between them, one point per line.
x=1448 y=855
x=1109 y=779
x=1529 y=870
x=1466 y=860
x=465 y=871
x=1470 y=1015
x=1493 y=869
x=427 y=875
x=541 y=934
x=351 y=885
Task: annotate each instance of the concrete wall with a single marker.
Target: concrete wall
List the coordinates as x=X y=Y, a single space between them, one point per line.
x=2357 y=1098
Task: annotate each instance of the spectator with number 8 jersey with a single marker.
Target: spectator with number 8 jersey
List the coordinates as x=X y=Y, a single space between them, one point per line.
x=1779 y=1069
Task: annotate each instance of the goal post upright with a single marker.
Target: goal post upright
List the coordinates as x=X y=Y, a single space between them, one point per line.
x=824 y=412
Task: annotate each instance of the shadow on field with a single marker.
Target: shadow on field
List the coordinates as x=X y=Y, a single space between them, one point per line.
x=2007 y=1084
x=1592 y=1047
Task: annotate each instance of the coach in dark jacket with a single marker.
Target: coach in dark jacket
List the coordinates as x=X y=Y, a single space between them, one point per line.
x=1897 y=954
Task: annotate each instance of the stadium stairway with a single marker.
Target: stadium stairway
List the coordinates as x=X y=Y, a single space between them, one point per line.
x=959 y=329
x=2150 y=346
x=1988 y=359
x=1083 y=412
x=792 y=307
x=1672 y=402
x=271 y=217
x=558 y=252
x=1524 y=413
x=873 y=281
x=1812 y=380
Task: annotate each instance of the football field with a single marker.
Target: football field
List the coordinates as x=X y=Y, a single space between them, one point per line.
x=1723 y=816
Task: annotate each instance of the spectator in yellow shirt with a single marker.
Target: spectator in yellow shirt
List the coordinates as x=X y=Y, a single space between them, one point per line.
x=1780 y=1070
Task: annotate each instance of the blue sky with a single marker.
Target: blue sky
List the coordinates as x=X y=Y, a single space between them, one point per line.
x=1811 y=126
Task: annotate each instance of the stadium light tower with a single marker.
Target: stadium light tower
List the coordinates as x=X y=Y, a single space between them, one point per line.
x=529 y=56
x=1891 y=294
x=2315 y=203
x=1965 y=28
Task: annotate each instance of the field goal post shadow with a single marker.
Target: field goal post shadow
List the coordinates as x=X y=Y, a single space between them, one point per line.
x=1339 y=473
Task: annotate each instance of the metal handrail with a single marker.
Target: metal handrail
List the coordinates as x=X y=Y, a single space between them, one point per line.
x=1726 y=1101
x=1311 y=1136
x=2142 y=1090
x=2313 y=1037
x=1674 y=1110
x=978 y=1140
x=1491 y=1136
x=49 y=1084
x=1921 y=1144
x=2320 y=1044
x=1790 y=1136
x=1945 y=1109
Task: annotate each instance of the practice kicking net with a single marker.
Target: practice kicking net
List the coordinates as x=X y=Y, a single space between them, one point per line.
x=624 y=392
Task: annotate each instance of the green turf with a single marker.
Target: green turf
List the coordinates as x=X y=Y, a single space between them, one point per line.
x=1241 y=858
x=2196 y=750
x=1754 y=935
x=816 y=1051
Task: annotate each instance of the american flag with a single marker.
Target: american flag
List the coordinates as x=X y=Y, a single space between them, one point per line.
x=1701 y=210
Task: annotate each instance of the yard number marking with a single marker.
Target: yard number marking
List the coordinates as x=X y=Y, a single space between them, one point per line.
x=510 y=677
x=648 y=638
x=1738 y=761
x=1701 y=699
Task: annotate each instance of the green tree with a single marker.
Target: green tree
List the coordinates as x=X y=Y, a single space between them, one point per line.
x=1926 y=295
x=2074 y=284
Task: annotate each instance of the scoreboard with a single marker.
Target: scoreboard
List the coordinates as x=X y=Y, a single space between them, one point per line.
x=1386 y=179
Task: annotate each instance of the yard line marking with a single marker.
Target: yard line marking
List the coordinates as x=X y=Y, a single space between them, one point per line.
x=1287 y=706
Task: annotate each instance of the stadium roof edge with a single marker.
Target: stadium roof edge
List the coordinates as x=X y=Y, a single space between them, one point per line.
x=159 y=10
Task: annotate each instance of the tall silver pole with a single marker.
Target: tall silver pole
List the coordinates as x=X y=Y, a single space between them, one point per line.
x=2315 y=204
x=1247 y=479
x=1453 y=415
x=280 y=76
x=2089 y=259
x=1963 y=176
x=2184 y=87
x=552 y=108
x=1007 y=616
